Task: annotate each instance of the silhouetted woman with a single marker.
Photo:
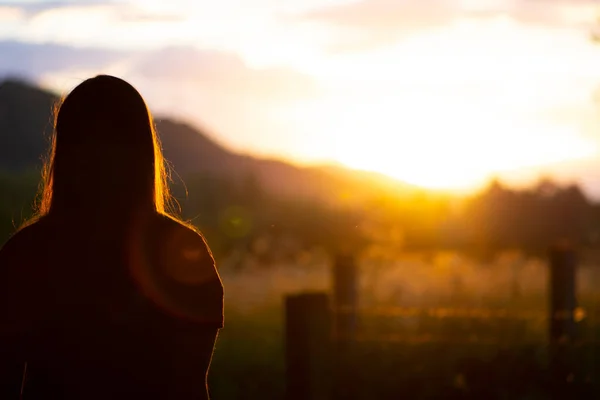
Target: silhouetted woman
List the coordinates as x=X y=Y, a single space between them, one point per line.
x=105 y=295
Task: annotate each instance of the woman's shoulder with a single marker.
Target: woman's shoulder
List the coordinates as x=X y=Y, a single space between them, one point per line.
x=168 y=225
x=184 y=254
x=191 y=286
x=21 y=257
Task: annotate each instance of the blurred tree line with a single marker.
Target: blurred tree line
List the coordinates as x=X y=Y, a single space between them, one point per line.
x=241 y=216
x=497 y=218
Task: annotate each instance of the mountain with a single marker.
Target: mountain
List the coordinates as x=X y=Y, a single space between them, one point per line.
x=25 y=125
x=26 y=116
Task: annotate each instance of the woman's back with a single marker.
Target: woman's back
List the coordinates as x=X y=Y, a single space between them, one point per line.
x=109 y=308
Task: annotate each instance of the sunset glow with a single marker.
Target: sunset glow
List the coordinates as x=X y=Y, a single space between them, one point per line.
x=440 y=93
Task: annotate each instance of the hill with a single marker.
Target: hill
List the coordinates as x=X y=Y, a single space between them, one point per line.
x=26 y=115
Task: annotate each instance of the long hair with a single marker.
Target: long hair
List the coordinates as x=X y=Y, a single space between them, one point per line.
x=104 y=153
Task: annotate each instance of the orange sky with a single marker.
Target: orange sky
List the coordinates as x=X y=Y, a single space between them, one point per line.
x=440 y=93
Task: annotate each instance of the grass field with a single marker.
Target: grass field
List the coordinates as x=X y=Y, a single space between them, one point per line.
x=249 y=357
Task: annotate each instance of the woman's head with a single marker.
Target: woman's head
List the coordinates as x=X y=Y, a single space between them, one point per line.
x=105 y=153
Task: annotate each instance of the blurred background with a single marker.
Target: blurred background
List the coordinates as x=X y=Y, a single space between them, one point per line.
x=440 y=146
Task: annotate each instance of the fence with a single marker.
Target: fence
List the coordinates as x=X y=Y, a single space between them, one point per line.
x=321 y=330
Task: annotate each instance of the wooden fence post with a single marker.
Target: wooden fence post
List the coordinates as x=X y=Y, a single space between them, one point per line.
x=345 y=298
x=345 y=307
x=563 y=263
x=307 y=346
x=562 y=324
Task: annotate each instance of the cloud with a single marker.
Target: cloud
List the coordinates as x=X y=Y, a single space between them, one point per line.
x=32 y=8
x=372 y=23
x=31 y=61
x=125 y=12
x=135 y=24
x=385 y=14
x=223 y=71
x=181 y=66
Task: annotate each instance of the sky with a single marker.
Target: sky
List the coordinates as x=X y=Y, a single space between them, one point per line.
x=439 y=93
